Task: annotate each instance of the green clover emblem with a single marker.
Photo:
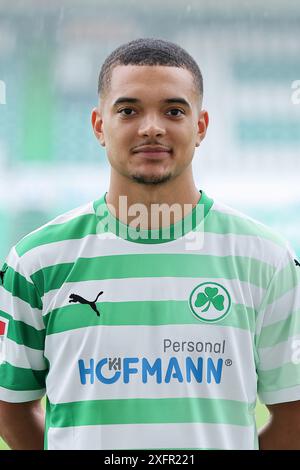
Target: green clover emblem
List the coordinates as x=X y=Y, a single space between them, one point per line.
x=210 y=296
x=210 y=302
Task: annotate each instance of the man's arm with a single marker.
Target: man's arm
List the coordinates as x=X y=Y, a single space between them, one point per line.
x=283 y=429
x=22 y=425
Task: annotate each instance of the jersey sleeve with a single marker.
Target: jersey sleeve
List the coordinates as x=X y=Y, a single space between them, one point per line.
x=278 y=335
x=23 y=367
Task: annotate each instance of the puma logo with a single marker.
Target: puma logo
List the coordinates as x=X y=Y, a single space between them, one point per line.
x=76 y=298
x=297 y=262
x=2 y=274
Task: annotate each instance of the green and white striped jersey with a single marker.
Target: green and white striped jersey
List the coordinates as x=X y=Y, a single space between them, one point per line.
x=150 y=340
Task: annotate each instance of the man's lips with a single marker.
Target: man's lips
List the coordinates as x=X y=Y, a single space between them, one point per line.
x=152 y=152
x=153 y=155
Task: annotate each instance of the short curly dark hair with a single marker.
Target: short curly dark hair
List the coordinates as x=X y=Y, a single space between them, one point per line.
x=149 y=51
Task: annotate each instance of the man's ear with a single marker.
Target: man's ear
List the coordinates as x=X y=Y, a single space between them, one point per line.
x=97 y=124
x=202 y=126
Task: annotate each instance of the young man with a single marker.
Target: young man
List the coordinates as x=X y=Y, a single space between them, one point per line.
x=145 y=331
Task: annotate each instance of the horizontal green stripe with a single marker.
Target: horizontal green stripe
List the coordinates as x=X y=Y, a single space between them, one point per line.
x=280 y=331
x=222 y=223
x=150 y=265
x=164 y=312
x=279 y=378
x=76 y=228
x=19 y=287
x=52 y=277
x=22 y=333
x=20 y=379
x=141 y=410
x=284 y=281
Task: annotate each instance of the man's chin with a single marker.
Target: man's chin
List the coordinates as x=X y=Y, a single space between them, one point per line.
x=151 y=179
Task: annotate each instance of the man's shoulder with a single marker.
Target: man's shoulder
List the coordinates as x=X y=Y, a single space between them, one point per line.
x=234 y=221
x=68 y=225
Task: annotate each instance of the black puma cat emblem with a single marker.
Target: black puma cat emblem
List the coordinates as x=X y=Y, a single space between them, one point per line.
x=77 y=298
x=297 y=262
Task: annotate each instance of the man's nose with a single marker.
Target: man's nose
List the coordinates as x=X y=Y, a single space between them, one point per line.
x=151 y=126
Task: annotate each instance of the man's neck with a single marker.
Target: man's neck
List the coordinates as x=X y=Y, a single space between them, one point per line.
x=154 y=206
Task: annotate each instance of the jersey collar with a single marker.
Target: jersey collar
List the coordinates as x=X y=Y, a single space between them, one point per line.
x=107 y=222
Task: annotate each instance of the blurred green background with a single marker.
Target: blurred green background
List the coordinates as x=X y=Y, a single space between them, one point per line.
x=50 y=57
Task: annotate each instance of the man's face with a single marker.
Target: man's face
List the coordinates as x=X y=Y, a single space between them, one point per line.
x=150 y=122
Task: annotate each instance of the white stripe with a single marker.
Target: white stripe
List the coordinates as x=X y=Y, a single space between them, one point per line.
x=13 y=396
x=225 y=209
x=280 y=396
x=84 y=209
x=219 y=206
x=107 y=244
x=64 y=350
x=19 y=355
x=152 y=436
x=282 y=308
x=257 y=225
x=20 y=310
x=228 y=210
x=277 y=356
x=67 y=216
x=149 y=289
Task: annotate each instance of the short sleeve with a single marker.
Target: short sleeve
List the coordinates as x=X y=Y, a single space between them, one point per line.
x=278 y=334
x=23 y=367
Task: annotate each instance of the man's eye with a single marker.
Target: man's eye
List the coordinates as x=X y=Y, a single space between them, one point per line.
x=174 y=112
x=126 y=111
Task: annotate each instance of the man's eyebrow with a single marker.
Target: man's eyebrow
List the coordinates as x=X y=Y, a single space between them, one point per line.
x=127 y=99
x=178 y=100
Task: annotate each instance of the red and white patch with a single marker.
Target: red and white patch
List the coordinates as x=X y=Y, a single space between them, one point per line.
x=3 y=334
